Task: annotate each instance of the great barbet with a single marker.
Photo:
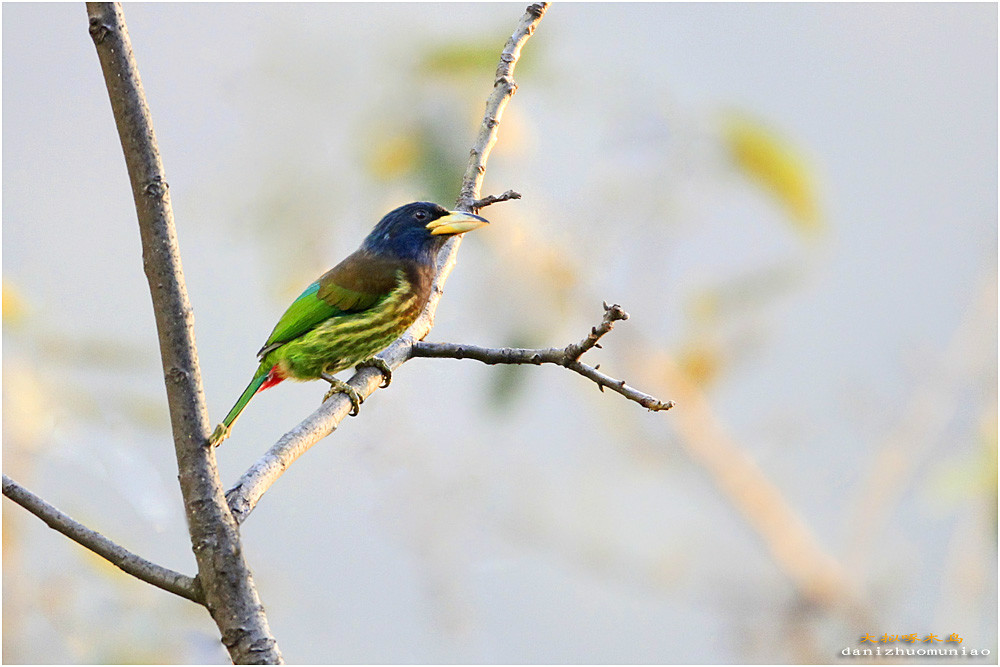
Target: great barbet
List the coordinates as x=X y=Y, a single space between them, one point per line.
x=359 y=307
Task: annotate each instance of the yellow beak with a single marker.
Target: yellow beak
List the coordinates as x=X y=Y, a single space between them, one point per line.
x=456 y=222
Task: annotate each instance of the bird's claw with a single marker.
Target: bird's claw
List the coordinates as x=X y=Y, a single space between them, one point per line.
x=220 y=433
x=376 y=362
x=341 y=387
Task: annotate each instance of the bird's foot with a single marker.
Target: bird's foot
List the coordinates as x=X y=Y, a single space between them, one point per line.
x=220 y=433
x=338 y=387
x=380 y=364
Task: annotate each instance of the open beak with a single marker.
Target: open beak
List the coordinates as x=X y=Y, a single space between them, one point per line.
x=456 y=222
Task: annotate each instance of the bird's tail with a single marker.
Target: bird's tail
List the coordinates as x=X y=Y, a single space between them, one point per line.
x=222 y=430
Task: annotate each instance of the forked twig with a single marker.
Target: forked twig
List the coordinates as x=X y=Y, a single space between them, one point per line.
x=567 y=357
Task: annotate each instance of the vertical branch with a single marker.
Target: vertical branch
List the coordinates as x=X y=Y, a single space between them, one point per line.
x=504 y=88
x=229 y=591
x=251 y=486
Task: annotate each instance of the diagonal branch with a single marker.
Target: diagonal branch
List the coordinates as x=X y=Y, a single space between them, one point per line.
x=251 y=486
x=229 y=591
x=151 y=573
x=567 y=357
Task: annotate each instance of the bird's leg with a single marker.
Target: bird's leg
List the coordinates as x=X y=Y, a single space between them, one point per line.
x=380 y=364
x=339 y=386
x=221 y=433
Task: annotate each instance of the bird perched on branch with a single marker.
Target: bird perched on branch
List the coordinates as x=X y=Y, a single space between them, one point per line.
x=358 y=307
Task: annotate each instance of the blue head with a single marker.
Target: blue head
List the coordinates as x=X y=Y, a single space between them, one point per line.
x=417 y=231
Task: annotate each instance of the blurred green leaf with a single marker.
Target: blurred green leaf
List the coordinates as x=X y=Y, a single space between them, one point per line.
x=461 y=58
x=509 y=381
x=745 y=292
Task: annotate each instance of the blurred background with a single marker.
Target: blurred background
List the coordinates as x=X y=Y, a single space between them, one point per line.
x=797 y=204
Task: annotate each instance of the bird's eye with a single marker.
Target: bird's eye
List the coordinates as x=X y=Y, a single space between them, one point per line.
x=420 y=215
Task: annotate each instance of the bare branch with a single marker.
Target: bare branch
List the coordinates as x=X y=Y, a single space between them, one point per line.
x=567 y=357
x=251 y=486
x=229 y=591
x=151 y=573
x=503 y=89
x=495 y=199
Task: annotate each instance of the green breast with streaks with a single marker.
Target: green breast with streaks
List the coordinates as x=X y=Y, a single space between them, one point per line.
x=346 y=340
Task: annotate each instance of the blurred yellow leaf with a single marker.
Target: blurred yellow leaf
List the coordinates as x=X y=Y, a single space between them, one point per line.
x=973 y=475
x=703 y=306
x=146 y=411
x=774 y=164
x=701 y=362
x=394 y=155
x=14 y=307
x=545 y=259
x=27 y=417
x=101 y=565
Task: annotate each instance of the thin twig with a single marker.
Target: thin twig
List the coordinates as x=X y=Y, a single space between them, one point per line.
x=567 y=357
x=495 y=199
x=229 y=591
x=151 y=573
x=247 y=491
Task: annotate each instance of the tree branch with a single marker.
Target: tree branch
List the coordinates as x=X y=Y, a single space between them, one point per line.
x=247 y=491
x=229 y=591
x=567 y=357
x=494 y=199
x=503 y=89
x=151 y=573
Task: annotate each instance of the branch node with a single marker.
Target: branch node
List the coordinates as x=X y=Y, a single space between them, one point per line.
x=175 y=375
x=98 y=30
x=156 y=188
x=614 y=312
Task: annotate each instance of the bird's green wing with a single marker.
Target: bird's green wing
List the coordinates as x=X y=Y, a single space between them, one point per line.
x=359 y=282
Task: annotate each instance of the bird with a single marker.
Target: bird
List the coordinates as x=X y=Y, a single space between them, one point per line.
x=357 y=308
